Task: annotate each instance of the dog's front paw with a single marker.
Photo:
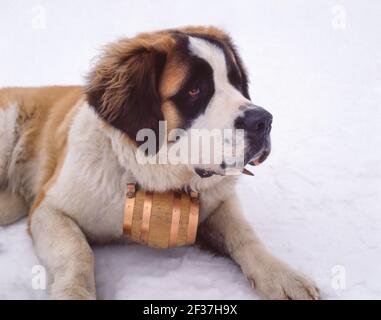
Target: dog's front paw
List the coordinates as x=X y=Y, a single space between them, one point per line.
x=72 y=292
x=276 y=281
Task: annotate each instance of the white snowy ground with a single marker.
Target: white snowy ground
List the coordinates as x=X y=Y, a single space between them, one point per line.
x=315 y=64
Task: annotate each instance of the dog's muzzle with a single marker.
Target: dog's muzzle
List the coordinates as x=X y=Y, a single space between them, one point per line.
x=256 y=123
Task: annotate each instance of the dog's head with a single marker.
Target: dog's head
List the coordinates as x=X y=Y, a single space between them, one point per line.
x=192 y=78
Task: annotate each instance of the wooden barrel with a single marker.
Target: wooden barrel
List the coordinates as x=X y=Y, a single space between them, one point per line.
x=161 y=220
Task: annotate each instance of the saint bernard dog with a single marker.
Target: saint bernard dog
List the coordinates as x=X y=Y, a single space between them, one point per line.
x=65 y=153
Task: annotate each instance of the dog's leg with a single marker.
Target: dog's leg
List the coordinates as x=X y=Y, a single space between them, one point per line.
x=65 y=252
x=12 y=207
x=227 y=231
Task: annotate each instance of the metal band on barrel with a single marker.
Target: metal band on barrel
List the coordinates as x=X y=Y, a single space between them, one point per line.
x=193 y=219
x=176 y=212
x=147 y=208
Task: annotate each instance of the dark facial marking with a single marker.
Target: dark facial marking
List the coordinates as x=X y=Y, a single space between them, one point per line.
x=199 y=79
x=236 y=73
x=243 y=73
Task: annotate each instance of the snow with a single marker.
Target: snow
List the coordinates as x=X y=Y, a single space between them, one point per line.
x=314 y=202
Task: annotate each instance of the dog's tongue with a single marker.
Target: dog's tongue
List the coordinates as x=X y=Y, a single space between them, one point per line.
x=255 y=162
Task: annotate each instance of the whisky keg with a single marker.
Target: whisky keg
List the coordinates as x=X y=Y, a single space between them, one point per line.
x=161 y=220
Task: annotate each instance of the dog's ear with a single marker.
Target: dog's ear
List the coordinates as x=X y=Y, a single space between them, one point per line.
x=123 y=88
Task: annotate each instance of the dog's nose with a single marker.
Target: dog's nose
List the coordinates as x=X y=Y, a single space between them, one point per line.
x=255 y=120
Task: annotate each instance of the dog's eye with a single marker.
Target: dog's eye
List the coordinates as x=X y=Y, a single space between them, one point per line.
x=194 y=92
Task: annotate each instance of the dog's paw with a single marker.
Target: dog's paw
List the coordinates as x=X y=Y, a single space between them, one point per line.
x=71 y=293
x=277 y=281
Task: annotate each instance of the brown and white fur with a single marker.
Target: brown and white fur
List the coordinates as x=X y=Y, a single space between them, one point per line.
x=65 y=151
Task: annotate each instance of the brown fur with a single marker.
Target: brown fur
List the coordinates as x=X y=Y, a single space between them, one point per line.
x=136 y=76
x=126 y=82
x=43 y=122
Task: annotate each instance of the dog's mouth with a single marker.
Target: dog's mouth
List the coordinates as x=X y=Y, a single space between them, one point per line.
x=258 y=159
x=205 y=173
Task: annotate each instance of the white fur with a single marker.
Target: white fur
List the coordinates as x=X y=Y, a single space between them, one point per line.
x=65 y=252
x=91 y=185
x=272 y=278
x=223 y=108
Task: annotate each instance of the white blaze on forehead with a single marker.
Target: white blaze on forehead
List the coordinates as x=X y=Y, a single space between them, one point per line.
x=214 y=56
x=224 y=105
